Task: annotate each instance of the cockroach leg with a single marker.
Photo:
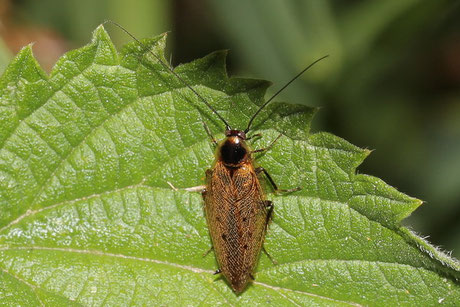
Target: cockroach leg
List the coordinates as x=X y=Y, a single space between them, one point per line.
x=254 y=136
x=269 y=205
x=213 y=140
x=208 y=251
x=269 y=257
x=199 y=188
x=269 y=146
x=275 y=187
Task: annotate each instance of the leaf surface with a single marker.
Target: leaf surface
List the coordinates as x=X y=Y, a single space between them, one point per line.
x=87 y=215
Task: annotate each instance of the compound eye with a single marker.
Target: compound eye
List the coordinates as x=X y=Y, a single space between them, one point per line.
x=232 y=152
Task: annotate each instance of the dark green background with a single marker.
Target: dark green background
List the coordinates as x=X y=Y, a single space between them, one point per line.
x=392 y=82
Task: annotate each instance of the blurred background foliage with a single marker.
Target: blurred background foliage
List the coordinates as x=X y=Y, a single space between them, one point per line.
x=392 y=82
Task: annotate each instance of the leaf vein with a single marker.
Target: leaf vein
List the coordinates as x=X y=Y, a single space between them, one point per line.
x=32 y=287
x=277 y=289
x=107 y=254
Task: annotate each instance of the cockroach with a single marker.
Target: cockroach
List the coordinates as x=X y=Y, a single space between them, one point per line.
x=237 y=211
x=235 y=204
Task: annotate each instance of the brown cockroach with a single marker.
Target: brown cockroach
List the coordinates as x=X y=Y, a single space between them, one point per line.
x=237 y=211
x=235 y=205
x=236 y=208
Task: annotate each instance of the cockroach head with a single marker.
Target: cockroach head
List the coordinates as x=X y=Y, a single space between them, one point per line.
x=239 y=133
x=233 y=151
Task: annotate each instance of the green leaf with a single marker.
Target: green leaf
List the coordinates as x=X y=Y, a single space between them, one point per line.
x=87 y=215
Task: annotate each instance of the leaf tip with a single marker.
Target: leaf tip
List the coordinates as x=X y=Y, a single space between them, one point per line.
x=418 y=202
x=367 y=151
x=100 y=34
x=24 y=65
x=25 y=52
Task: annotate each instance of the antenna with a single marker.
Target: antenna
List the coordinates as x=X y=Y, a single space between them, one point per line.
x=227 y=126
x=280 y=90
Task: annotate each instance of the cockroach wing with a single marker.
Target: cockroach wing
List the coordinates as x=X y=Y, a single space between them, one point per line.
x=237 y=218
